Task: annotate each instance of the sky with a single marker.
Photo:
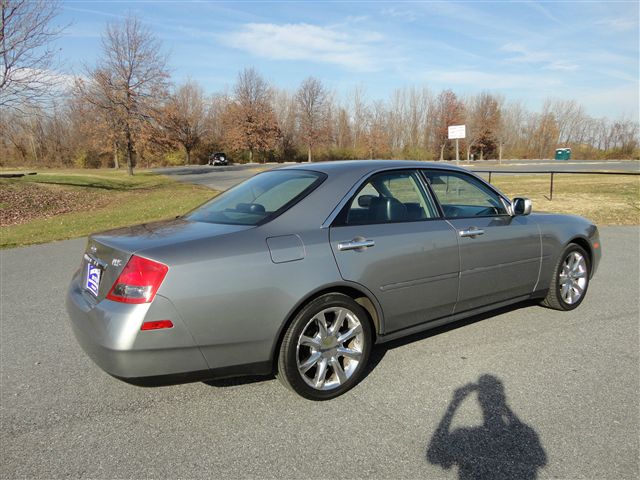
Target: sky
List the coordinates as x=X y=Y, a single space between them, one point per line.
x=587 y=51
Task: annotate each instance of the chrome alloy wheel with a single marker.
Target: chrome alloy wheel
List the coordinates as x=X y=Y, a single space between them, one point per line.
x=573 y=277
x=330 y=348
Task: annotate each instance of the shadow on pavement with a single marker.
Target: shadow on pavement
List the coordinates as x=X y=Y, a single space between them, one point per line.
x=235 y=381
x=379 y=351
x=503 y=447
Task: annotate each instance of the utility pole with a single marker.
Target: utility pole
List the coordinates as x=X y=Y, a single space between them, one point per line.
x=457 y=154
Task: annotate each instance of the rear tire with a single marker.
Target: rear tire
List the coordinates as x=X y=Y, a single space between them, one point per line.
x=326 y=348
x=570 y=279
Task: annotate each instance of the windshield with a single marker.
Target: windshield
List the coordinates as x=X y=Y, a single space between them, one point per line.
x=258 y=199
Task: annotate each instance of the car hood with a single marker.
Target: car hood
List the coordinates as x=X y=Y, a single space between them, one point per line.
x=160 y=234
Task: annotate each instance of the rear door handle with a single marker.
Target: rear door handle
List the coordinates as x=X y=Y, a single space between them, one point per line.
x=471 y=232
x=356 y=245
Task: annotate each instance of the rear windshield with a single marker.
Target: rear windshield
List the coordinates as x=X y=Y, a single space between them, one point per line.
x=258 y=199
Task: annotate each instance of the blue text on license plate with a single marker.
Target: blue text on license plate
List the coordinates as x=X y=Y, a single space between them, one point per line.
x=93 y=278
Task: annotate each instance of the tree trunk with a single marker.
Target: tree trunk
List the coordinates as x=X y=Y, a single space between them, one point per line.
x=442 y=151
x=469 y=152
x=250 y=155
x=129 y=151
x=309 y=153
x=481 y=154
x=500 y=153
x=187 y=157
x=116 y=164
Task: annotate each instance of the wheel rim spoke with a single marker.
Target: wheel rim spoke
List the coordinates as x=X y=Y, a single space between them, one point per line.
x=310 y=342
x=310 y=362
x=338 y=370
x=349 y=353
x=321 y=374
x=337 y=323
x=348 y=335
x=322 y=325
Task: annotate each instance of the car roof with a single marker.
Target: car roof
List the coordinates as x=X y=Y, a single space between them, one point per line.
x=366 y=166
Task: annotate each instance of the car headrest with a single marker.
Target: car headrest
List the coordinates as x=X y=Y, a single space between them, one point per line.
x=387 y=209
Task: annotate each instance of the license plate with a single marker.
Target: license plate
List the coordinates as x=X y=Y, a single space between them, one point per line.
x=92 y=282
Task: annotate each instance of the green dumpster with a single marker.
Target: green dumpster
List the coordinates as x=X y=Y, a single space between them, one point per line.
x=563 y=154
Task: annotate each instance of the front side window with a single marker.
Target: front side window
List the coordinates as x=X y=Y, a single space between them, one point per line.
x=462 y=195
x=258 y=199
x=388 y=197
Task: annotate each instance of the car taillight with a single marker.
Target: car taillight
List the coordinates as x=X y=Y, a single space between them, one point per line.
x=138 y=282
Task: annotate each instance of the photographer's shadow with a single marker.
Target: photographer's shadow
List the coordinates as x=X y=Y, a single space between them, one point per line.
x=502 y=447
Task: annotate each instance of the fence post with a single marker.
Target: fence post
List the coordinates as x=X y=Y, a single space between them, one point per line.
x=551 y=189
x=490 y=177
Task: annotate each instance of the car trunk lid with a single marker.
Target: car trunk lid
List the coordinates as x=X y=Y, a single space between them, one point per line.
x=108 y=252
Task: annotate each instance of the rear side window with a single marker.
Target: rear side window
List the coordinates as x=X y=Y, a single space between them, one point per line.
x=258 y=199
x=389 y=197
x=462 y=195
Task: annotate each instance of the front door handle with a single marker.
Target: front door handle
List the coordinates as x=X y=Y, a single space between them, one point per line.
x=471 y=232
x=356 y=244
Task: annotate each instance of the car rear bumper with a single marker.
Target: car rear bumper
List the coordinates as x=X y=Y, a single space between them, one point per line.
x=109 y=332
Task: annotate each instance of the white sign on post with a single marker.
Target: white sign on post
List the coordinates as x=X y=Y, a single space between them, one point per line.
x=457 y=131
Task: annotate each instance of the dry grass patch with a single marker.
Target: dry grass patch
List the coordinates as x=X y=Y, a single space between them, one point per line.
x=605 y=199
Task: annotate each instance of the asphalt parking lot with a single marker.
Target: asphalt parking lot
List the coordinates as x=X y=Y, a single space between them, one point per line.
x=540 y=393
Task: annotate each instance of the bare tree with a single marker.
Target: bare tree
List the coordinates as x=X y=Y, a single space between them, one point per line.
x=449 y=111
x=184 y=117
x=545 y=133
x=250 y=123
x=360 y=112
x=26 y=37
x=486 y=115
x=129 y=81
x=312 y=98
x=285 y=108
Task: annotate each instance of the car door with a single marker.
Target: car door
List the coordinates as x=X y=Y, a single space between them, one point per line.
x=499 y=253
x=390 y=238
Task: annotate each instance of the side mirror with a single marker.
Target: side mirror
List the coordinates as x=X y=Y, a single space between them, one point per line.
x=521 y=206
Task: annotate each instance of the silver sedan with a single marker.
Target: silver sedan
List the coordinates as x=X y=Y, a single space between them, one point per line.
x=302 y=269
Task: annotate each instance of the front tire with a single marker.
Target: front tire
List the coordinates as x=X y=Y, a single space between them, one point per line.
x=326 y=348
x=570 y=279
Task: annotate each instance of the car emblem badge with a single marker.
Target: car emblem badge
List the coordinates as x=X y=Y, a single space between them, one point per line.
x=93 y=249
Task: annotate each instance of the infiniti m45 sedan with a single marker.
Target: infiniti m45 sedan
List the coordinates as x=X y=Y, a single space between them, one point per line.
x=300 y=270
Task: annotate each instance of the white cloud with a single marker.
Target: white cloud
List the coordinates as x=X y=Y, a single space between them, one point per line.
x=548 y=60
x=480 y=80
x=302 y=41
x=406 y=15
x=621 y=24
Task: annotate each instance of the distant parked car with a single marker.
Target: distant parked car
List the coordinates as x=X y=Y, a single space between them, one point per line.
x=301 y=270
x=218 y=159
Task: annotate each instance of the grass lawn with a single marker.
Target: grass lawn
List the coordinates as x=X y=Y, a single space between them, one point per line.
x=62 y=204
x=605 y=199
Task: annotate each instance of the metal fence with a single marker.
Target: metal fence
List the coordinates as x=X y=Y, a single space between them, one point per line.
x=552 y=174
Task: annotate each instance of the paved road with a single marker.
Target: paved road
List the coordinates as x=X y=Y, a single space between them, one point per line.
x=218 y=178
x=222 y=178
x=570 y=382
